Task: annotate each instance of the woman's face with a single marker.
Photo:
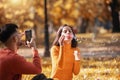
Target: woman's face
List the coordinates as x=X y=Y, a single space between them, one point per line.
x=67 y=33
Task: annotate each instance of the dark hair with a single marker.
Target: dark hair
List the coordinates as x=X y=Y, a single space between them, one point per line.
x=41 y=77
x=74 y=41
x=6 y=31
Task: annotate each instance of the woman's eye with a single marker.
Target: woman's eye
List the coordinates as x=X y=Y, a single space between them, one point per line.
x=65 y=31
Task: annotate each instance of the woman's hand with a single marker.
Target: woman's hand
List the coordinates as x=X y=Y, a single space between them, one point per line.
x=77 y=55
x=61 y=40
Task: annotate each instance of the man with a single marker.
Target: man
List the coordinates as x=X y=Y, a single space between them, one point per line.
x=12 y=65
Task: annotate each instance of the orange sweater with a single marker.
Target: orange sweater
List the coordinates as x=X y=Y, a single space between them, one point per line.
x=63 y=62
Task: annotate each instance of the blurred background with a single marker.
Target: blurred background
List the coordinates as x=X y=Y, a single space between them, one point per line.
x=86 y=16
x=95 y=22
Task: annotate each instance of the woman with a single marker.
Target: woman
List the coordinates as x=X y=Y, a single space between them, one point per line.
x=65 y=54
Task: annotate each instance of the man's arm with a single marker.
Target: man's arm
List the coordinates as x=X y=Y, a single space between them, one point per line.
x=20 y=65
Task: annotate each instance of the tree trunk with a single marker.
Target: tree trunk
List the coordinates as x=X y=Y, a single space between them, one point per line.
x=46 y=52
x=115 y=16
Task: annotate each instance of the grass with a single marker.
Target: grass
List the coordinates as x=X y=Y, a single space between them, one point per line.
x=91 y=69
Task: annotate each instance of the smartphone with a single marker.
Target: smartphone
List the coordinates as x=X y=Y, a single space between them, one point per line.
x=28 y=35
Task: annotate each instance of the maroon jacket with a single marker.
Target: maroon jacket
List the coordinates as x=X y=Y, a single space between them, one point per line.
x=12 y=65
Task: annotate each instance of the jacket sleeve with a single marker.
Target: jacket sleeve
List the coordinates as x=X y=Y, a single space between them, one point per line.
x=76 y=68
x=56 y=56
x=21 y=66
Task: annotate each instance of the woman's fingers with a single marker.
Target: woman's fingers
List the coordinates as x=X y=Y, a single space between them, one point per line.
x=77 y=55
x=61 y=39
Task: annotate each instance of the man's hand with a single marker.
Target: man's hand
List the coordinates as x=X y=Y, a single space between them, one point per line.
x=32 y=43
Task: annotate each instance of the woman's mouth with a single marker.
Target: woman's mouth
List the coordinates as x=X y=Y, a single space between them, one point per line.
x=68 y=37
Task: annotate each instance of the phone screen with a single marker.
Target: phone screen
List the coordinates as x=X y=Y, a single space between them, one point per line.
x=28 y=35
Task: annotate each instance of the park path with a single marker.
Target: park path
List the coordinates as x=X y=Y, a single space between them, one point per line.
x=26 y=52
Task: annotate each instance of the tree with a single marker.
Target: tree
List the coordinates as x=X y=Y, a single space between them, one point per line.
x=46 y=37
x=115 y=4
